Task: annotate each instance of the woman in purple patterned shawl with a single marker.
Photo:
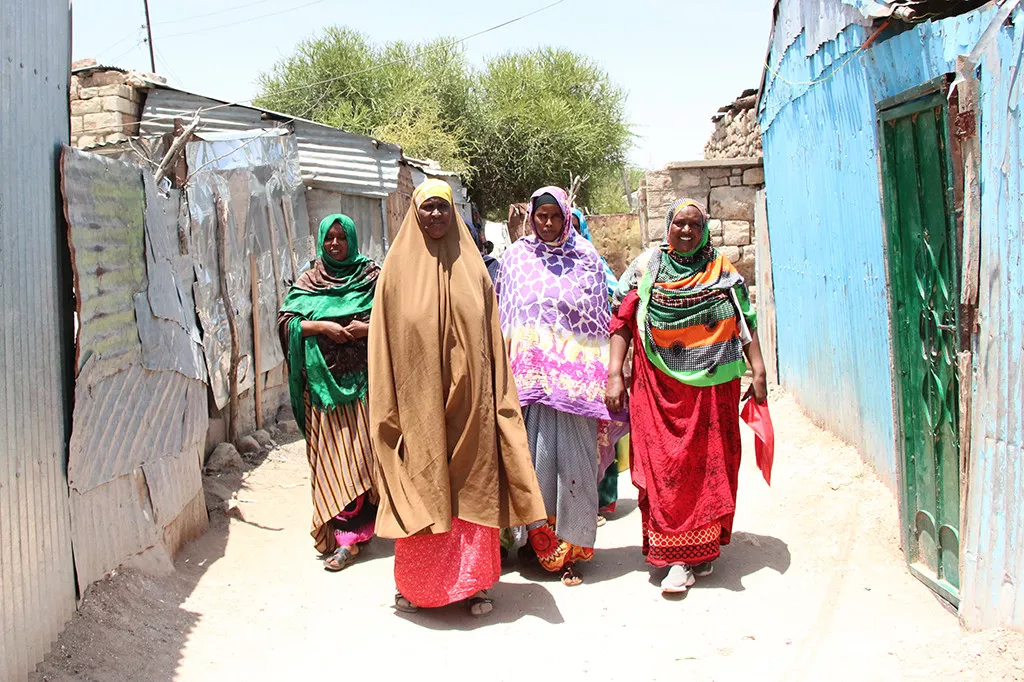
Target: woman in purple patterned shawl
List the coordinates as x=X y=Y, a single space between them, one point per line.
x=555 y=315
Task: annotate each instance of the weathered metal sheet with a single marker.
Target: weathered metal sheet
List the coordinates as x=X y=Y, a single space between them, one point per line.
x=105 y=207
x=257 y=176
x=37 y=583
x=829 y=262
x=127 y=419
x=365 y=212
x=330 y=159
x=166 y=312
x=992 y=593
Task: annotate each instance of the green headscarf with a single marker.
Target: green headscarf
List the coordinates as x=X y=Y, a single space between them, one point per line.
x=344 y=290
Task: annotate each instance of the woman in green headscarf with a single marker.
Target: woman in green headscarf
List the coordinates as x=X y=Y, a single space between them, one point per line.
x=685 y=308
x=323 y=326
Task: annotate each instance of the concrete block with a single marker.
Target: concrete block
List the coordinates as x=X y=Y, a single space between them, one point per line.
x=86 y=141
x=736 y=232
x=753 y=176
x=715 y=227
x=118 y=104
x=735 y=181
x=88 y=93
x=115 y=91
x=733 y=203
x=730 y=252
x=76 y=124
x=81 y=107
x=719 y=182
x=106 y=120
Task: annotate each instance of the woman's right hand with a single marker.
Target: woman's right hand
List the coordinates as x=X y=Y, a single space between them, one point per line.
x=615 y=392
x=335 y=332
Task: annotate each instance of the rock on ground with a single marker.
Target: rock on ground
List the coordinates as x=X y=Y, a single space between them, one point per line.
x=224 y=458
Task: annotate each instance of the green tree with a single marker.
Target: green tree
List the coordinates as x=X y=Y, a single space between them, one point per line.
x=417 y=96
x=524 y=121
x=543 y=115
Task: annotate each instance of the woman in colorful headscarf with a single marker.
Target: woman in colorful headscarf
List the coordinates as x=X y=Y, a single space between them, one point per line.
x=686 y=308
x=323 y=326
x=608 y=486
x=454 y=462
x=555 y=315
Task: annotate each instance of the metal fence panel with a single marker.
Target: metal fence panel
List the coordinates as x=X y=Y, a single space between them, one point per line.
x=37 y=584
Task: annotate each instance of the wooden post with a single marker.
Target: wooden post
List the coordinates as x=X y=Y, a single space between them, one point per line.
x=289 y=231
x=274 y=253
x=256 y=345
x=230 y=311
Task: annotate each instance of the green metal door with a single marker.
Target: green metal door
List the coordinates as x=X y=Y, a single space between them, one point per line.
x=924 y=291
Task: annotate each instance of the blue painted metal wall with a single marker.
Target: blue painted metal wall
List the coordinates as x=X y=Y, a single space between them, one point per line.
x=824 y=208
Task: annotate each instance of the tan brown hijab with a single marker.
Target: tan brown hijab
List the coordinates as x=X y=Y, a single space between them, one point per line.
x=445 y=419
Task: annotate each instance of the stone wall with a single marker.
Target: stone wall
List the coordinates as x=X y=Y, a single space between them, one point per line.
x=106 y=104
x=399 y=201
x=728 y=188
x=737 y=134
x=618 y=238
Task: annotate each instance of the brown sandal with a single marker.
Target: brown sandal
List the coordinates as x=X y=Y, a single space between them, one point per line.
x=570 y=577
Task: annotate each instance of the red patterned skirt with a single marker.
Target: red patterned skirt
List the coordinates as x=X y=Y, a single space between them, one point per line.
x=436 y=570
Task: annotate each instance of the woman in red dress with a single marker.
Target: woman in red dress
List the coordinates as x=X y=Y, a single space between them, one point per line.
x=686 y=308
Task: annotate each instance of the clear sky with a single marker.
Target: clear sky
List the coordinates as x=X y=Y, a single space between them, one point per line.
x=679 y=60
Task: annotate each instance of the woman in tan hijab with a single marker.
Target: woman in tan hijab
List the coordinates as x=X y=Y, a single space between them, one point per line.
x=454 y=462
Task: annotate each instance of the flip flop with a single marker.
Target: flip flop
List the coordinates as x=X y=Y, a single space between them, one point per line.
x=404 y=605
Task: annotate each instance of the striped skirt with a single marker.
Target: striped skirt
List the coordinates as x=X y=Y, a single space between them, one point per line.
x=340 y=462
x=565 y=456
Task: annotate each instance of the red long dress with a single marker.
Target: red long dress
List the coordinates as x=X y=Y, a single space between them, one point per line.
x=684 y=454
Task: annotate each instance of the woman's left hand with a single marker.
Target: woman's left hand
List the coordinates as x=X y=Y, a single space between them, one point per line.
x=758 y=389
x=358 y=329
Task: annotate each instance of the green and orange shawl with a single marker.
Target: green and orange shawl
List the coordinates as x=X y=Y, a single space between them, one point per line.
x=329 y=290
x=695 y=313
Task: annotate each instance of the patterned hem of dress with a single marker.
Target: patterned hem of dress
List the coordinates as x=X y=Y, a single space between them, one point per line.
x=689 y=548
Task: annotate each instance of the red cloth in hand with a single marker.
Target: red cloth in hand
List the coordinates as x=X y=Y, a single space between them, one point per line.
x=759 y=420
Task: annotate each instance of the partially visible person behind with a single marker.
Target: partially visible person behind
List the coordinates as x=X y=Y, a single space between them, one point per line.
x=447 y=427
x=687 y=311
x=323 y=325
x=555 y=313
x=609 y=433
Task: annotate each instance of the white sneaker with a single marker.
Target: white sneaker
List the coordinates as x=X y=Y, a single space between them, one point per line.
x=679 y=578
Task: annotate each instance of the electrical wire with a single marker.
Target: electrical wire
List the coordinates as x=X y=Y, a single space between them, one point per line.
x=211 y=14
x=133 y=34
x=167 y=65
x=867 y=43
x=202 y=110
x=242 y=21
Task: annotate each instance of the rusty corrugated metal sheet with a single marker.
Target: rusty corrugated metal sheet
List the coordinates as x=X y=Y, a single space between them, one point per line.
x=992 y=591
x=37 y=583
x=330 y=159
x=139 y=426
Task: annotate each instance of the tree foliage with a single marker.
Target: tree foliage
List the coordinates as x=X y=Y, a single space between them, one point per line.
x=523 y=121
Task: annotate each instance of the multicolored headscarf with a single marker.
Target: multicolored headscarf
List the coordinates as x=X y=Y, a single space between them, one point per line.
x=695 y=312
x=552 y=299
x=609 y=276
x=330 y=290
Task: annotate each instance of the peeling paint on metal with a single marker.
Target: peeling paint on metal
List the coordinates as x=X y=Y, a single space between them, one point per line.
x=828 y=255
x=37 y=582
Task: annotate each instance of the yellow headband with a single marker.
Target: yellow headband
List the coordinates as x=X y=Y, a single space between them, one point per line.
x=430 y=189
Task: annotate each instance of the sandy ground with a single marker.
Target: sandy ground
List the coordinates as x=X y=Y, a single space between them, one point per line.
x=814 y=587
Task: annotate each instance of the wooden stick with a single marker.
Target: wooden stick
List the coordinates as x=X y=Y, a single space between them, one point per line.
x=275 y=254
x=229 y=309
x=175 y=149
x=256 y=345
x=286 y=205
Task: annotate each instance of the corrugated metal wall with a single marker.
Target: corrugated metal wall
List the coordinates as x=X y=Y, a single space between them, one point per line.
x=37 y=583
x=830 y=270
x=331 y=159
x=824 y=208
x=992 y=591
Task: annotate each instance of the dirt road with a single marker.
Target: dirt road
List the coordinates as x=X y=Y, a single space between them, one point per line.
x=814 y=587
